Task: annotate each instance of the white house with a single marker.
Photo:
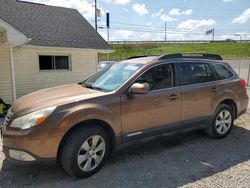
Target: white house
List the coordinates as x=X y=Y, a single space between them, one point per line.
x=43 y=46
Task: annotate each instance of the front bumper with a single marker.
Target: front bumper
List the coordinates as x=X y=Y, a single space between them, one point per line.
x=29 y=145
x=25 y=157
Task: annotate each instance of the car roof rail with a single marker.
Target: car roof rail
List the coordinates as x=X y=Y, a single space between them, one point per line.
x=139 y=56
x=191 y=55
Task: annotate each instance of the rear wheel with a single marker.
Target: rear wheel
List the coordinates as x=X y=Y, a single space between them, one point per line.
x=85 y=151
x=222 y=123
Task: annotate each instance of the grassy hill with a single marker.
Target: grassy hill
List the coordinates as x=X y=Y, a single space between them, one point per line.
x=225 y=49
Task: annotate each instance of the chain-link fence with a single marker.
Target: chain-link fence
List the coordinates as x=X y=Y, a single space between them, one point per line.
x=242 y=67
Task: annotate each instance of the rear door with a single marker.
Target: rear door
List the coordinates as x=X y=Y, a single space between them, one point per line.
x=199 y=88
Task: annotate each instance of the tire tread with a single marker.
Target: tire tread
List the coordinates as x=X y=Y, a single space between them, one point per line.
x=210 y=130
x=68 y=149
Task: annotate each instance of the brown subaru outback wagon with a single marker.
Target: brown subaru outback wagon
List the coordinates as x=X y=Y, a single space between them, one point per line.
x=80 y=124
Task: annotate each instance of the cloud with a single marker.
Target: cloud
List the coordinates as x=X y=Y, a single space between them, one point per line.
x=196 y=24
x=244 y=36
x=157 y=13
x=169 y=17
x=226 y=1
x=125 y=9
x=149 y=24
x=84 y=6
x=166 y=18
x=140 y=9
x=177 y=12
x=125 y=34
x=119 y=2
x=146 y=37
x=171 y=35
x=243 y=18
x=192 y=30
x=103 y=34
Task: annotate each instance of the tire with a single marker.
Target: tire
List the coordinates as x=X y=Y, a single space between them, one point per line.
x=222 y=123
x=81 y=153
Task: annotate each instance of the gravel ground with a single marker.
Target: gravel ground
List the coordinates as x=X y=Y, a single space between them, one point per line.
x=184 y=160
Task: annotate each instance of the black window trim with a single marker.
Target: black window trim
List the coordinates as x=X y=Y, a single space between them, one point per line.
x=54 y=55
x=213 y=71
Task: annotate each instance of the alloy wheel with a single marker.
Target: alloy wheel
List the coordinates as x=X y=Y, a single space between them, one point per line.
x=91 y=153
x=223 y=122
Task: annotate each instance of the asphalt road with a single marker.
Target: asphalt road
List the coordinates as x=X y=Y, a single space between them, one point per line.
x=189 y=160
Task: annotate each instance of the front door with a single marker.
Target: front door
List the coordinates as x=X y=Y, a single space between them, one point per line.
x=143 y=114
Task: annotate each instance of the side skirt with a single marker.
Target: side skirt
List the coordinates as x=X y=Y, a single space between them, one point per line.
x=181 y=127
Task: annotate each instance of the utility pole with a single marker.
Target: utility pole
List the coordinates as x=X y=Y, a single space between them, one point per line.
x=108 y=26
x=239 y=35
x=213 y=34
x=165 y=31
x=95 y=15
x=209 y=32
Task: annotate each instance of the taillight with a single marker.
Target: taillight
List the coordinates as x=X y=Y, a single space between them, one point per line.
x=243 y=83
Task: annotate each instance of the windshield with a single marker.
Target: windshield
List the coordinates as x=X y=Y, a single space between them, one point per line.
x=110 y=79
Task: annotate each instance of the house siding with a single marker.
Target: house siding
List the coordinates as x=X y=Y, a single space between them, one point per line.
x=29 y=78
x=5 y=74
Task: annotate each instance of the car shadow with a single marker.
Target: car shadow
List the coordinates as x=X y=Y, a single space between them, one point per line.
x=160 y=161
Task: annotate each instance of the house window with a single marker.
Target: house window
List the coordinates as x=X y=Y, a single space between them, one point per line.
x=47 y=62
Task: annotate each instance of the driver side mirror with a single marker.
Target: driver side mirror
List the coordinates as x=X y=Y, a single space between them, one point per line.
x=138 y=88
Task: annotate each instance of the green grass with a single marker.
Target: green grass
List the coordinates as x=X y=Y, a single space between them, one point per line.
x=225 y=49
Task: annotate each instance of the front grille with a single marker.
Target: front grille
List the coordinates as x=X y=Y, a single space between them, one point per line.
x=8 y=118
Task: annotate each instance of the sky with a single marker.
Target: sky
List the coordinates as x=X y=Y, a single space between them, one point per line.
x=134 y=20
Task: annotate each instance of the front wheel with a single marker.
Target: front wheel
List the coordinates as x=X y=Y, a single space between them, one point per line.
x=85 y=151
x=222 y=123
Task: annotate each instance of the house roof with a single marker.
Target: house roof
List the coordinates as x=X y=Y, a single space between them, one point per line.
x=51 y=26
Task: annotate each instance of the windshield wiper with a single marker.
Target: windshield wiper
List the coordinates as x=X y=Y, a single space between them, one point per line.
x=97 y=88
x=86 y=85
x=91 y=87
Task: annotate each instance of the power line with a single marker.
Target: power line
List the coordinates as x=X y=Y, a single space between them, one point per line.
x=169 y=33
x=143 y=27
x=140 y=26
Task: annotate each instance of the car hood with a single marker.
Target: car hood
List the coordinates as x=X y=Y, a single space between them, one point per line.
x=52 y=97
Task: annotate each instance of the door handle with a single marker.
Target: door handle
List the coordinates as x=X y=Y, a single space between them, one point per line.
x=214 y=89
x=173 y=96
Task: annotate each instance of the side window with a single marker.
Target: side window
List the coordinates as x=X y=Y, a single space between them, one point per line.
x=47 y=62
x=222 y=72
x=193 y=73
x=159 y=77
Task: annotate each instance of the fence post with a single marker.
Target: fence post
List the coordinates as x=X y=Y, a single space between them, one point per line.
x=248 y=79
x=239 y=66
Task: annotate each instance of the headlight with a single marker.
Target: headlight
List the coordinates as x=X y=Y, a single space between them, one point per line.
x=32 y=119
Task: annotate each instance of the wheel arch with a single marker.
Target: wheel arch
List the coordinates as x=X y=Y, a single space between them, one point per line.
x=96 y=122
x=232 y=104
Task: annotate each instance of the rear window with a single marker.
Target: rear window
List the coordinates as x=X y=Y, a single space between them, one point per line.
x=222 y=71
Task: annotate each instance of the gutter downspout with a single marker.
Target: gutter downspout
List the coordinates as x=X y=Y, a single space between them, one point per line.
x=13 y=78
